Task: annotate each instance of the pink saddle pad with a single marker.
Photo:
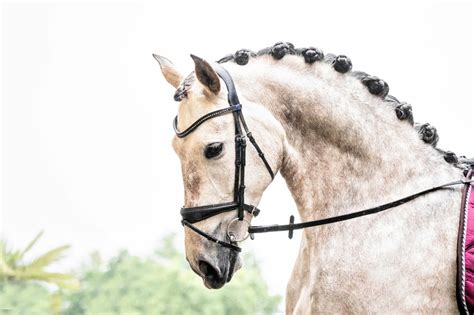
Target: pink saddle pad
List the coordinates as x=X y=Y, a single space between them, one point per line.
x=465 y=258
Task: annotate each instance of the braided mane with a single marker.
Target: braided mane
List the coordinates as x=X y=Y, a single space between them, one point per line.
x=342 y=64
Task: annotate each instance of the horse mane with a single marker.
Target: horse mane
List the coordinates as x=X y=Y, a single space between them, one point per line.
x=342 y=64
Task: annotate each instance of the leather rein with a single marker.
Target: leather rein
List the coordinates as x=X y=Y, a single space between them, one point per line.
x=192 y=215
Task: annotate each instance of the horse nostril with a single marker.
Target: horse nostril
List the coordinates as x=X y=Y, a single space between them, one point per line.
x=208 y=271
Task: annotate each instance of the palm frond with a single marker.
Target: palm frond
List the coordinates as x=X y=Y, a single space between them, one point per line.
x=11 y=257
x=7 y=259
x=13 y=266
x=31 y=244
x=48 y=258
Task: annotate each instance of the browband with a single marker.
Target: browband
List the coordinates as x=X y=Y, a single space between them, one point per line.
x=197 y=123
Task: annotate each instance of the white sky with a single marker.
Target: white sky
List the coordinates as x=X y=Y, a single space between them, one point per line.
x=86 y=113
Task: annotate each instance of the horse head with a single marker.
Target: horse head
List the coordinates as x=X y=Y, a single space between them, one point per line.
x=219 y=174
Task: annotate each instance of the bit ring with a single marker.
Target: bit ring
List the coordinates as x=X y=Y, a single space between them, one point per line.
x=231 y=235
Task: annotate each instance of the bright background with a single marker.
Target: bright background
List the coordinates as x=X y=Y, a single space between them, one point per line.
x=86 y=113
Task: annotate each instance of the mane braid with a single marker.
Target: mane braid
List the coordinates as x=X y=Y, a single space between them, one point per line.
x=342 y=64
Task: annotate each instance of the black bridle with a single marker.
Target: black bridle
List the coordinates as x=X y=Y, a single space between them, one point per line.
x=192 y=215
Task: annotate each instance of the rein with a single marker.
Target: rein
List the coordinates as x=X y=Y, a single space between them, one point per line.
x=303 y=225
x=192 y=215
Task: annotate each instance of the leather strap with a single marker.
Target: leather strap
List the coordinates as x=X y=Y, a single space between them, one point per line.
x=196 y=214
x=210 y=237
x=197 y=123
x=255 y=145
x=290 y=227
x=232 y=97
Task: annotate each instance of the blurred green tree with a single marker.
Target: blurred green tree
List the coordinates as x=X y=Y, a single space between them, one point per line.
x=125 y=284
x=24 y=297
x=164 y=284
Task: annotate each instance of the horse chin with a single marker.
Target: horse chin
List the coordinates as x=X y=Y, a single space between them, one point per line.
x=213 y=284
x=235 y=264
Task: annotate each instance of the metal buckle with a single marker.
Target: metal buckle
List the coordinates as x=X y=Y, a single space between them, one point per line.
x=254 y=211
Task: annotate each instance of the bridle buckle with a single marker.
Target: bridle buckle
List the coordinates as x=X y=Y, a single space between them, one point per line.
x=255 y=211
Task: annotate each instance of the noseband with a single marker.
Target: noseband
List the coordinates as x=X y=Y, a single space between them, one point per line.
x=192 y=215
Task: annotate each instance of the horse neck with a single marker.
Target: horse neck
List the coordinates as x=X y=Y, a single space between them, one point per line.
x=344 y=147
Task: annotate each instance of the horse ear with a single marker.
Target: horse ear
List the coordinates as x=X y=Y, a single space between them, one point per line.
x=206 y=75
x=171 y=74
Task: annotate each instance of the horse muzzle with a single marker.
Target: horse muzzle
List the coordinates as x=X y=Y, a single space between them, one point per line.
x=217 y=272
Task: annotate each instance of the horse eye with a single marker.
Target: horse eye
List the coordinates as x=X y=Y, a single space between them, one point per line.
x=212 y=150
